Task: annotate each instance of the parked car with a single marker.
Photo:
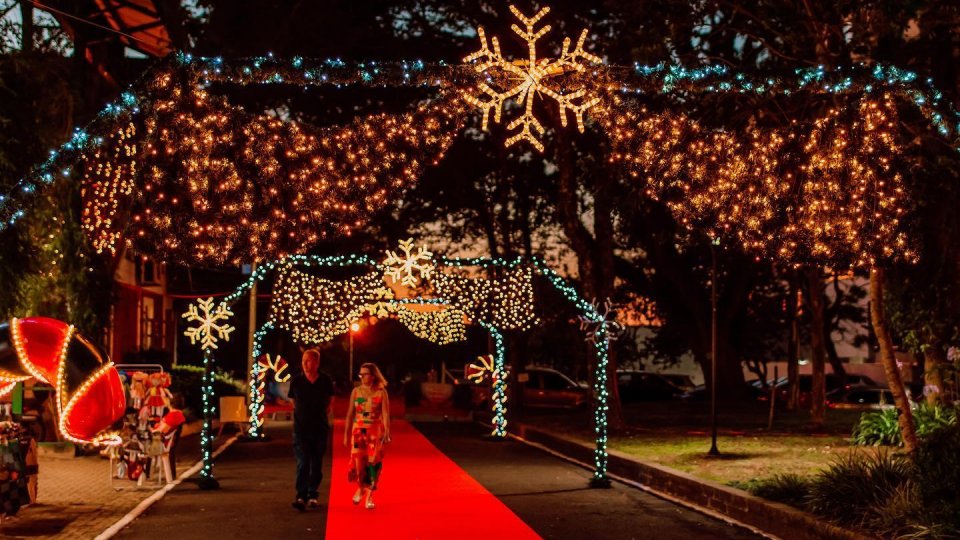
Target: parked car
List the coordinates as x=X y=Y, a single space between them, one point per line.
x=862 y=398
x=702 y=393
x=683 y=382
x=645 y=386
x=833 y=383
x=542 y=387
x=549 y=388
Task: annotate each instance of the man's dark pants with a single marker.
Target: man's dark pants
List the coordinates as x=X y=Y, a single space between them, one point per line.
x=309 y=452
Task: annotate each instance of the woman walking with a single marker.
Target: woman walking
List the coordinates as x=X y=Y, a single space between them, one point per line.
x=367 y=431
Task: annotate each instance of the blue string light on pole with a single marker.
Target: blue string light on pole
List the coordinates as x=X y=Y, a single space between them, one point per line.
x=212 y=327
x=499 y=377
x=256 y=394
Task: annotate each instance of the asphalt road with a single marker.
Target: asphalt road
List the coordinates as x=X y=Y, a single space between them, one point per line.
x=549 y=494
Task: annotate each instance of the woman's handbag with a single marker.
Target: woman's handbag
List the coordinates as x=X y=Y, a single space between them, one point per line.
x=352 y=471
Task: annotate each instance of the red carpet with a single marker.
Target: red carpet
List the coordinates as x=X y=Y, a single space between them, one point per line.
x=423 y=495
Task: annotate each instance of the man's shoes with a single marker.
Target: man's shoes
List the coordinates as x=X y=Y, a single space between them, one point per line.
x=357 y=496
x=313 y=503
x=370 y=505
x=299 y=505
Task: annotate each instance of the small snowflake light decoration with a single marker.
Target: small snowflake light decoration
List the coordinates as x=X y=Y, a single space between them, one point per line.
x=525 y=79
x=479 y=373
x=605 y=320
x=209 y=331
x=401 y=268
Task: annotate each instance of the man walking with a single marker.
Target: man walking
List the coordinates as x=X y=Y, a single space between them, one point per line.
x=311 y=392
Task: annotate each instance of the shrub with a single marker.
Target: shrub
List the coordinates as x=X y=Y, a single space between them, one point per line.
x=877 y=429
x=881 y=427
x=186 y=383
x=788 y=488
x=856 y=488
x=938 y=477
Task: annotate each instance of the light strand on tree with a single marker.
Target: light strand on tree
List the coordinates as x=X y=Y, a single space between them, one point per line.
x=829 y=193
x=499 y=377
x=207 y=479
x=256 y=394
x=505 y=301
x=442 y=327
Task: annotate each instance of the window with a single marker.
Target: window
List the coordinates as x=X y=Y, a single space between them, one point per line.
x=554 y=381
x=863 y=397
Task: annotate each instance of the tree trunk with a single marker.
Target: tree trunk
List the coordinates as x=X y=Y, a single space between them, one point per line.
x=908 y=431
x=793 y=348
x=834 y=322
x=818 y=351
x=934 y=359
x=26 y=36
x=595 y=257
x=835 y=364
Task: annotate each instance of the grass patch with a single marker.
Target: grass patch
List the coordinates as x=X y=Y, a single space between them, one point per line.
x=741 y=457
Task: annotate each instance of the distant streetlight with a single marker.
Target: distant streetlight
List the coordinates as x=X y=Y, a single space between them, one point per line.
x=713 y=348
x=354 y=328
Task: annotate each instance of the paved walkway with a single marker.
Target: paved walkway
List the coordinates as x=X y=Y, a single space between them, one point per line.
x=256 y=489
x=423 y=494
x=548 y=494
x=75 y=499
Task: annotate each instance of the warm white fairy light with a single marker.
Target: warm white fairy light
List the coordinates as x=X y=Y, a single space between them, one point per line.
x=61 y=391
x=21 y=353
x=316 y=310
x=524 y=80
x=480 y=372
x=401 y=268
x=108 y=180
x=209 y=331
x=110 y=438
x=505 y=301
x=442 y=326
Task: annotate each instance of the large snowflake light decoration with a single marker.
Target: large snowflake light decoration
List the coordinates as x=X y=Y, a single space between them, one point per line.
x=526 y=79
x=401 y=268
x=209 y=331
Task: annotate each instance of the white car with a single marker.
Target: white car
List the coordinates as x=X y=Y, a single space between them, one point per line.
x=863 y=399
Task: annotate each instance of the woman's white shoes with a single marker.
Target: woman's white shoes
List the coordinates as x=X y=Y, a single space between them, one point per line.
x=357 y=496
x=370 y=505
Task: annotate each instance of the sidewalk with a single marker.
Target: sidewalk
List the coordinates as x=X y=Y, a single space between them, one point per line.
x=75 y=499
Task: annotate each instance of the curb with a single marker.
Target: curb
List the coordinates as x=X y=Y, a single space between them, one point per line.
x=111 y=531
x=771 y=519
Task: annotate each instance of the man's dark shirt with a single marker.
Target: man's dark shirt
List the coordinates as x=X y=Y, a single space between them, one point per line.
x=310 y=401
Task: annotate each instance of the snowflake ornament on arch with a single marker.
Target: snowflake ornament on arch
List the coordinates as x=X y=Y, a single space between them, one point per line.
x=209 y=323
x=605 y=321
x=526 y=79
x=401 y=268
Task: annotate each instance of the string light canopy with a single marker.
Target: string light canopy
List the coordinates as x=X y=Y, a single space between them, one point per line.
x=169 y=168
x=315 y=309
x=829 y=193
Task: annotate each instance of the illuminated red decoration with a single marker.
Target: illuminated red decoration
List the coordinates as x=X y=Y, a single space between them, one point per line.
x=88 y=391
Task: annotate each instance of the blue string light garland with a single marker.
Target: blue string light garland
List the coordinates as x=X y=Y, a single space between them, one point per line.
x=660 y=79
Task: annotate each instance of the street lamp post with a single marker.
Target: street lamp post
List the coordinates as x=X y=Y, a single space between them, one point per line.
x=713 y=349
x=354 y=327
